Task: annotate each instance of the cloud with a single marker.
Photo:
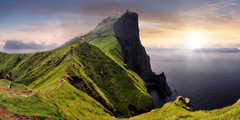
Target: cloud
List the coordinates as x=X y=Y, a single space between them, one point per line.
x=51 y=31
x=151 y=10
x=12 y=45
x=220 y=4
x=57 y=21
x=164 y=10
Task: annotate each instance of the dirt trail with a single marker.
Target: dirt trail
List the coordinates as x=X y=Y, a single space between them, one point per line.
x=10 y=116
x=18 y=92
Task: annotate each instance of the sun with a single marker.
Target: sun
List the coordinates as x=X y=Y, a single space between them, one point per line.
x=196 y=40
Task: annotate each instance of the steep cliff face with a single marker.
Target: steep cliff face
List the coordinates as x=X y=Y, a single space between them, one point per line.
x=127 y=33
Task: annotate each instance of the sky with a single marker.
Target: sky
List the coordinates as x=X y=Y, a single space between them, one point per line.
x=163 y=23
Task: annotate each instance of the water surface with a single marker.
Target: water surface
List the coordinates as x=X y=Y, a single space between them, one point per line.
x=210 y=79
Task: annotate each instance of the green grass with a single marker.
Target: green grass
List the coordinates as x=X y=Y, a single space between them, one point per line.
x=14 y=86
x=75 y=104
x=175 y=111
x=17 y=86
x=4 y=83
x=9 y=61
x=111 y=48
x=3 y=118
x=109 y=80
x=109 y=88
x=27 y=106
x=109 y=44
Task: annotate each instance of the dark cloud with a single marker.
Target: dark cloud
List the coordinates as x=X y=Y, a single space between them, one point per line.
x=19 y=45
x=164 y=9
x=169 y=10
x=177 y=12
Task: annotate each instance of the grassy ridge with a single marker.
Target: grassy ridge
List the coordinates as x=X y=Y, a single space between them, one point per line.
x=9 y=61
x=52 y=75
x=38 y=66
x=109 y=80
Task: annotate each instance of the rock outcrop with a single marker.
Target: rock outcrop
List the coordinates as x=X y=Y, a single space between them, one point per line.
x=185 y=102
x=127 y=33
x=1 y=75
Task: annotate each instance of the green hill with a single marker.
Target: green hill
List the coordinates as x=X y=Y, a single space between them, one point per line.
x=81 y=80
x=86 y=79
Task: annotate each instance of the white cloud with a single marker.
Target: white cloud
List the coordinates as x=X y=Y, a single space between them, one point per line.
x=2 y=42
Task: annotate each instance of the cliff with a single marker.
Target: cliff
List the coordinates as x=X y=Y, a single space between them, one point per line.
x=127 y=33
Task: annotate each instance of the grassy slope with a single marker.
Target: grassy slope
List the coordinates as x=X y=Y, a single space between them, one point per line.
x=14 y=86
x=103 y=37
x=47 y=72
x=174 y=111
x=42 y=72
x=110 y=81
x=9 y=61
x=27 y=106
x=4 y=83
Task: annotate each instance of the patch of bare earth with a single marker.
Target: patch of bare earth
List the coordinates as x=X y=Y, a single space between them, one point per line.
x=10 y=116
x=17 y=92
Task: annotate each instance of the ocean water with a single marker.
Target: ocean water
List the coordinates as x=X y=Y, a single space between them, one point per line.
x=210 y=79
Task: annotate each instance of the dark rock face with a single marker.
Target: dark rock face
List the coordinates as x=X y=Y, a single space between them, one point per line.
x=1 y=75
x=127 y=32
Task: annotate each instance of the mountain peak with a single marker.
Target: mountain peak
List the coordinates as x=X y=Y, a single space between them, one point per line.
x=126 y=31
x=107 y=20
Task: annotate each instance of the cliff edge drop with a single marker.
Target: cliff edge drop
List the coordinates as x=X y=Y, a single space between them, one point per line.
x=127 y=33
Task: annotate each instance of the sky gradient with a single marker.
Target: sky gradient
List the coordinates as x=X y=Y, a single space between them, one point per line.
x=163 y=23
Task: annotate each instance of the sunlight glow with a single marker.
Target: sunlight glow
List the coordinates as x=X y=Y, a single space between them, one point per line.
x=196 y=40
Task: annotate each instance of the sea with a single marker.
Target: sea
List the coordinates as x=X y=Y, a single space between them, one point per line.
x=210 y=78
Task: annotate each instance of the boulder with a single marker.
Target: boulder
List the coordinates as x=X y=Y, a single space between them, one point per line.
x=185 y=102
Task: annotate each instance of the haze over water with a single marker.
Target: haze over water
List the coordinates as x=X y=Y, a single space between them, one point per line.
x=210 y=79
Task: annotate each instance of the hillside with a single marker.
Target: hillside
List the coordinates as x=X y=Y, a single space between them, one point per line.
x=75 y=76
x=89 y=78
x=78 y=80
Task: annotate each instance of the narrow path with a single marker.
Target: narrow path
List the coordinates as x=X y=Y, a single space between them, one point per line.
x=18 y=92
